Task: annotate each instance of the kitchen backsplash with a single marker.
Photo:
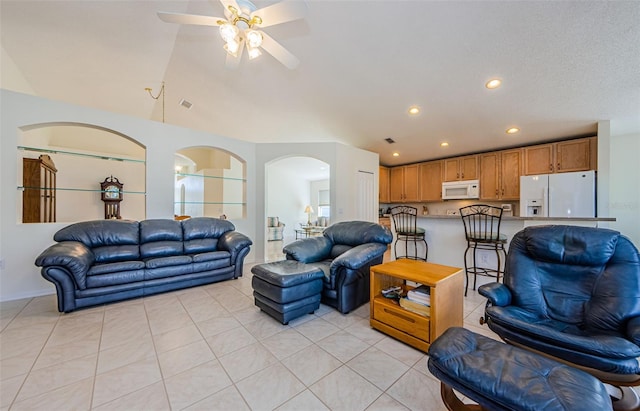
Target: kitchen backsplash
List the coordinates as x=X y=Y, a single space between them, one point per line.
x=451 y=207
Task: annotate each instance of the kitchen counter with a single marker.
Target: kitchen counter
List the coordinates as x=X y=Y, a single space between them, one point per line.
x=447 y=244
x=512 y=218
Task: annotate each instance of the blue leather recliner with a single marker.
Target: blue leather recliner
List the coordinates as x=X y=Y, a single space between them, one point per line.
x=344 y=252
x=573 y=294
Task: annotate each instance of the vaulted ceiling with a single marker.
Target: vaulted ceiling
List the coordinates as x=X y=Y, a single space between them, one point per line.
x=564 y=66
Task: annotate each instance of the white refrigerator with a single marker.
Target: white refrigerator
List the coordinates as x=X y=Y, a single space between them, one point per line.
x=558 y=195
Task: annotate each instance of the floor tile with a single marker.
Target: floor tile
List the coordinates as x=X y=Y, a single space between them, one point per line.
x=418 y=392
x=56 y=376
x=379 y=368
x=183 y=358
x=74 y=396
x=55 y=354
x=217 y=325
x=125 y=380
x=399 y=350
x=306 y=401
x=386 y=403
x=246 y=361
x=311 y=364
x=196 y=384
x=286 y=343
x=317 y=329
x=265 y=328
x=343 y=389
x=270 y=387
x=224 y=400
x=150 y=398
x=230 y=341
x=362 y=330
x=177 y=338
x=342 y=345
x=9 y=388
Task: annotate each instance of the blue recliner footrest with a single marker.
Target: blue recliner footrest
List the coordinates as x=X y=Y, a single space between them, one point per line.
x=502 y=377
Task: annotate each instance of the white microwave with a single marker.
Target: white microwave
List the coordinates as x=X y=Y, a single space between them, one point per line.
x=457 y=190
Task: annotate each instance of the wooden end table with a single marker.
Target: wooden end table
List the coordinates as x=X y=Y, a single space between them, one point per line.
x=446 y=287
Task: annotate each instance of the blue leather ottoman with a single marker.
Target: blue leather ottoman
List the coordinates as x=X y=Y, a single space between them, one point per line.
x=501 y=377
x=287 y=289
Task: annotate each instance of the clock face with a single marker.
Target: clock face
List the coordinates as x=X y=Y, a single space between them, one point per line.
x=112 y=192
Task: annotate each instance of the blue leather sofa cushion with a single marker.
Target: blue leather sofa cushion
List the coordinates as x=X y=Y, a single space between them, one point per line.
x=110 y=240
x=114 y=278
x=354 y=233
x=160 y=238
x=201 y=235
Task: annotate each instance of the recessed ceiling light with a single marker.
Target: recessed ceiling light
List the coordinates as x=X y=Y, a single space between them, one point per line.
x=396 y=154
x=493 y=83
x=512 y=130
x=444 y=144
x=414 y=110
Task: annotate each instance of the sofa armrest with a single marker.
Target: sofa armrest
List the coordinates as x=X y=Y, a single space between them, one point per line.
x=233 y=242
x=359 y=256
x=309 y=250
x=498 y=294
x=75 y=257
x=633 y=330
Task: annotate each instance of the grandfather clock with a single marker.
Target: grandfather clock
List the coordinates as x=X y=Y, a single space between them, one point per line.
x=112 y=196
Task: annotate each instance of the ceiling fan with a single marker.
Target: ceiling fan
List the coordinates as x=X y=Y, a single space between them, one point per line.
x=241 y=26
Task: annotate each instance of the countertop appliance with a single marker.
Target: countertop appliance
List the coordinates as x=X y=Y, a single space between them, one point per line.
x=558 y=195
x=458 y=190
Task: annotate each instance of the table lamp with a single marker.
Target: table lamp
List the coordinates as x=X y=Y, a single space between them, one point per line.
x=308 y=210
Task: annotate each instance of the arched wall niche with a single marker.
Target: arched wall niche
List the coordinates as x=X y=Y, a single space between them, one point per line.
x=83 y=155
x=210 y=182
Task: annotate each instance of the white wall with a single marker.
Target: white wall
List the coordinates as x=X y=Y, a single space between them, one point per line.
x=624 y=186
x=20 y=243
x=287 y=195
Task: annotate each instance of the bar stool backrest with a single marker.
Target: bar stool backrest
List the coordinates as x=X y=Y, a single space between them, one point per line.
x=481 y=222
x=405 y=219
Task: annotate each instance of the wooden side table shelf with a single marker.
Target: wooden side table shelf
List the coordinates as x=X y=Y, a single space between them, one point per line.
x=446 y=285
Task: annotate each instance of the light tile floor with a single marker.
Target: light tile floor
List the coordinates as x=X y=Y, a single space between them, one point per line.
x=208 y=348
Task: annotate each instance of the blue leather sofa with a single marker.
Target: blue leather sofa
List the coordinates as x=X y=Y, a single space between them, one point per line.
x=572 y=293
x=97 y=262
x=344 y=253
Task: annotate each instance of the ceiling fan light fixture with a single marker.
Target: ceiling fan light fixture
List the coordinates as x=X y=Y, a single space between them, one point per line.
x=229 y=32
x=232 y=47
x=253 y=52
x=254 y=38
x=493 y=83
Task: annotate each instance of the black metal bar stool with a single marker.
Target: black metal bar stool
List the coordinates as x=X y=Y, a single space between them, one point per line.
x=405 y=223
x=482 y=231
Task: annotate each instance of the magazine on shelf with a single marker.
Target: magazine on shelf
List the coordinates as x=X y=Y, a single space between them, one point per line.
x=420 y=294
x=415 y=307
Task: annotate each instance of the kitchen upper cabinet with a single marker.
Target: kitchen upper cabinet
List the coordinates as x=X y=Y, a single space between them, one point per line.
x=500 y=175
x=560 y=157
x=430 y=181
x=461 y=168
x=383 y=185
x=403 y=184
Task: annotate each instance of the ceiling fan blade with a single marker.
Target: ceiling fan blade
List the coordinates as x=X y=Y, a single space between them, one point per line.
x=280 y=53
x=232 y=62
x=195 y=19
x=282 y=12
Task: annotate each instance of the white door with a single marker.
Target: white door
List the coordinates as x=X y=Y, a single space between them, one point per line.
x=365 y=201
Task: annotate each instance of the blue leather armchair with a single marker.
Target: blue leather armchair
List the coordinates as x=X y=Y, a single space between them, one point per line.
x=344 y=252
x=573 y=294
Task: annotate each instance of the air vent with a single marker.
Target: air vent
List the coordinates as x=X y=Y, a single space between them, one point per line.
x=389 y=140
x=186 y=104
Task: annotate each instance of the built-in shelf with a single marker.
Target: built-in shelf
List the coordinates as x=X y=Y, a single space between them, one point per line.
x=74 y=153
x=215 y=177
x=209 y=202
x=77 y=189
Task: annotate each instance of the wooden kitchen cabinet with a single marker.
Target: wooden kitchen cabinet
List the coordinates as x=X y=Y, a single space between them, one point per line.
x=500 y=175
x=430 y=178
x=560 y=157
x=403 y=184
x=461 y=168
x=383 y=184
